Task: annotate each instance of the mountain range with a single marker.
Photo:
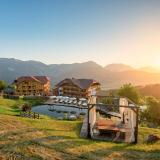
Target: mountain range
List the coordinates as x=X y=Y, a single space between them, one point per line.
x=110 y=76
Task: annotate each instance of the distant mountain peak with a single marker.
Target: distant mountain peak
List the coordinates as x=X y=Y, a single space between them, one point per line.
x=91 y=63
x=111 y=76
x=118 y=67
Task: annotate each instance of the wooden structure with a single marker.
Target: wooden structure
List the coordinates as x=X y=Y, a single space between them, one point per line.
x=29 y=114
x=119 y=125
x=32 y=85
x=76 y=87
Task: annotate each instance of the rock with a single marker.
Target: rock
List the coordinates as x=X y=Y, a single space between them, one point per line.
x=152 y=138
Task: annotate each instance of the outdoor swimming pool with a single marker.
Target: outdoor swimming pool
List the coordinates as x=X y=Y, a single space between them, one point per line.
x=59 y=111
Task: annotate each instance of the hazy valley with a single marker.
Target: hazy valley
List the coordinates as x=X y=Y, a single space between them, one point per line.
x=110 y=76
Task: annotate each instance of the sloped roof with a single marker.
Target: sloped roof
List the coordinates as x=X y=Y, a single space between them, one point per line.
x=81 y=83
x=41 y=79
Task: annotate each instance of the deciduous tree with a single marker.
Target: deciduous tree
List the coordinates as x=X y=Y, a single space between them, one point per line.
x=129 y=91
x=3 y=85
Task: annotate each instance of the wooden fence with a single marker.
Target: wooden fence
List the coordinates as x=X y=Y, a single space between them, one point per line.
x=29 y=114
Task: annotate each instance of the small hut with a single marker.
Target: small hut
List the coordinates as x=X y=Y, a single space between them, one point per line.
x=115 y=122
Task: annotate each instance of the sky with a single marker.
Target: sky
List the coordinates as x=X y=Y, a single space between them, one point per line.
x=69 y=31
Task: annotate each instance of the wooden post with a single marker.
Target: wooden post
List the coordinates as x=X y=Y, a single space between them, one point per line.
x=136 y=128
x=88 y=126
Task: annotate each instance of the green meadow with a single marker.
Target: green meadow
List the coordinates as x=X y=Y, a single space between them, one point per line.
x=47 y=138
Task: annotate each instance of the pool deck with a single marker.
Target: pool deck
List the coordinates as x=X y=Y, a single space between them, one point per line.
x=51 y=103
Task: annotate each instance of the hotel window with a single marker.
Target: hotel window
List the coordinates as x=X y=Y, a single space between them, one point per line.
x=26 y=83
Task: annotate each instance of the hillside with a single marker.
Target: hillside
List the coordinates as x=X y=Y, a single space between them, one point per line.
x=114 y=77
x=50 y=139
x=150 y=90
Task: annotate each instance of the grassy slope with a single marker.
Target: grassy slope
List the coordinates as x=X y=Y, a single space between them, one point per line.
x=46 y=138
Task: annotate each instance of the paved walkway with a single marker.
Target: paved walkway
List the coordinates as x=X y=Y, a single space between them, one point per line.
x=84 y=128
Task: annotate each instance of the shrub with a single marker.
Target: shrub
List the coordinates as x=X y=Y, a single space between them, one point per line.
x=129 y=91
x=26 y=107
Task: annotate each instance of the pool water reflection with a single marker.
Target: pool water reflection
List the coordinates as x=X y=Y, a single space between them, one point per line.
x=58 y=111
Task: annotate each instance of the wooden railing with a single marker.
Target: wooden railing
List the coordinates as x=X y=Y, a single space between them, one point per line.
x=29 y=114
